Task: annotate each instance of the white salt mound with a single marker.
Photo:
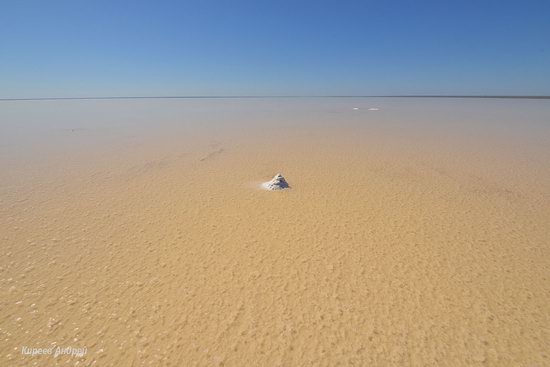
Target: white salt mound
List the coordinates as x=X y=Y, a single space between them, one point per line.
x=278 y=182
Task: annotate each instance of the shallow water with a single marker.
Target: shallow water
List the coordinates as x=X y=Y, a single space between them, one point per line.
x=415 y=234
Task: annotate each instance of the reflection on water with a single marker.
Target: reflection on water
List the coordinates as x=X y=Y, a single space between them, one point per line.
x=33 y=131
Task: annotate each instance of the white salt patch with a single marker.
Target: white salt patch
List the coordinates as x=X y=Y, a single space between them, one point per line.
x=278 y=182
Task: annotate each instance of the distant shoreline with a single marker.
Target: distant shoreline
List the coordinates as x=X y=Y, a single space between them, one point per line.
x=267 y=97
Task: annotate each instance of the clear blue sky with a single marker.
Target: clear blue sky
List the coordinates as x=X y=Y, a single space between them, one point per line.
x=92 y=47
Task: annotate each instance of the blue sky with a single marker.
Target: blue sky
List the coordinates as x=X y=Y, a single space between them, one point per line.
x=108 y=48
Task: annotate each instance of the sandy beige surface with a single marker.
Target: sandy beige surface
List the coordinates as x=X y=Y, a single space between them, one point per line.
x=391 y=248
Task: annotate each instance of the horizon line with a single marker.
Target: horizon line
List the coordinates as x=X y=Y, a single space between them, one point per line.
x=275 y=96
